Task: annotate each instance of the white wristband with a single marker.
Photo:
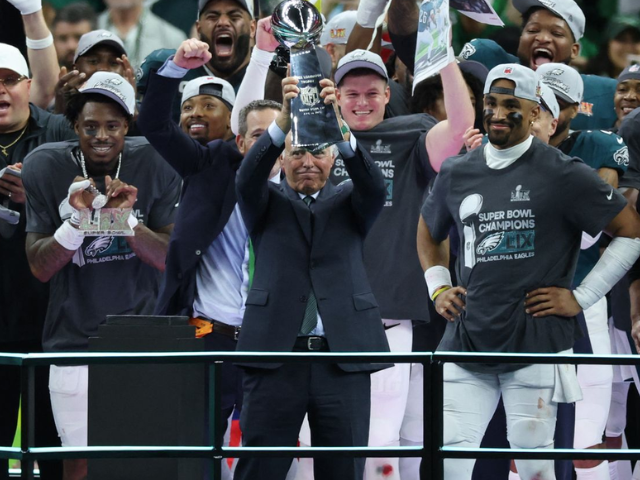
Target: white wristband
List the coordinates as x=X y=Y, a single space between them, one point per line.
x=369 y=11
x=616 y=260
x=132 y=221
x=69 y=237
x=40 y=44
x=436 y=278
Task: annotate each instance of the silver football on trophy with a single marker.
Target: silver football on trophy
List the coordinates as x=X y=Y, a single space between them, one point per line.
x=296 y=23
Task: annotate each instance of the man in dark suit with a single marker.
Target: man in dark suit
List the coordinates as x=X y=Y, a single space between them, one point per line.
x=206 y=275
x=310 y=292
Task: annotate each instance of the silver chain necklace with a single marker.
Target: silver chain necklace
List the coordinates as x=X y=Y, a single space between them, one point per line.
x=100 y=199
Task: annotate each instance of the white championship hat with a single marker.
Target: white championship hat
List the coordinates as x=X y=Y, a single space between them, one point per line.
x=210 y=86
x=525 y=80
x=565 y=81
x=12 y=59
x=113 y=86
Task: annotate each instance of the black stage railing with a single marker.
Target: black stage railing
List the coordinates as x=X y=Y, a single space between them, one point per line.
x=433 y=452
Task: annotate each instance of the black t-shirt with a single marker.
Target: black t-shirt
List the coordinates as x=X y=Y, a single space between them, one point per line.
x=630 y=133
x=397 y=145
x=520 y=229
x=105 y=277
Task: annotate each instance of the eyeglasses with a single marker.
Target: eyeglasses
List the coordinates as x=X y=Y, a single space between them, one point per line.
x=11 y=82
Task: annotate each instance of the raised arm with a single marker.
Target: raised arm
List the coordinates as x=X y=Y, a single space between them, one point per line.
x=43 y=61
x=369 y=11
x=403 y=29
x=446 y=138
x=184 y=154
x=255 y=78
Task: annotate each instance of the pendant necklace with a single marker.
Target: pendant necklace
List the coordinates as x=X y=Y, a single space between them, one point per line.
x=5 y=148
x=101 y=199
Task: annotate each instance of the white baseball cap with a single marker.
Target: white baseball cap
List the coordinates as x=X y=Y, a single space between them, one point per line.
x=360 y=59
x=338 y=29
x=548 y=100
x=96 y=37
x=210 y=86
x=12 y=59
x=525 y=80
x=565 y=81
x=568 y=10
x=113 y=86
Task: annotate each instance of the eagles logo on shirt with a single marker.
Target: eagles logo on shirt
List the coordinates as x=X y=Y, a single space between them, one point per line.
x=621 y=157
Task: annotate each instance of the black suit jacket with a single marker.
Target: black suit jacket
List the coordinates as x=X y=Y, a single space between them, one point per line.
x=208 y=193
x=292 y=255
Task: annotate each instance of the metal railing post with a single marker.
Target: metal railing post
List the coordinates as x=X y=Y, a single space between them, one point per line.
x=215 y=418
x=427 y=415
x=437 y=430
x=27 y=415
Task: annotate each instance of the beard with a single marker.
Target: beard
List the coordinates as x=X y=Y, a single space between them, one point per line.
x=229 y=65
x=561 y=128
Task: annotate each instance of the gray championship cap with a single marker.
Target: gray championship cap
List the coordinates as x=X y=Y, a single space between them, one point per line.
x=525 y=80
x=565 y=81
x=113 y=86
x=210 y=86
x=12 y=59
x=548 y=100
x=97 y=37
x=245 y=4
x=632 y=72
x=568 y=10
x=338 y=29
x=360 y=59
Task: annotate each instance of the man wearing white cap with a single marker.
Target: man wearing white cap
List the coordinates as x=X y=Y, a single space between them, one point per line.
x=519 y=246
x=545 y=125
x=206 y=109
x=606 y=153
x=23 y=127
x=409 y=150
x=550 y=33
x=40 y=50
x=91 y=276
x=207 y=274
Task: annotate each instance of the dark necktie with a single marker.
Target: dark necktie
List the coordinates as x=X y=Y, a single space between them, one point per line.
x=310 y=319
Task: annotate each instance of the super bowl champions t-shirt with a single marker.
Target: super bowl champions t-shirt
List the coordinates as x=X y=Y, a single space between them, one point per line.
x=397 y=145
x=598 y=149
x=104 y=277
x=520 y=229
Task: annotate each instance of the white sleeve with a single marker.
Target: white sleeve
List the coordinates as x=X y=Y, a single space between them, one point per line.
x=252 y=87
x=616 y=260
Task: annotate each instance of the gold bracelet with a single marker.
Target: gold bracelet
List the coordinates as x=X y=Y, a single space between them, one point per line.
x=439 y=291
